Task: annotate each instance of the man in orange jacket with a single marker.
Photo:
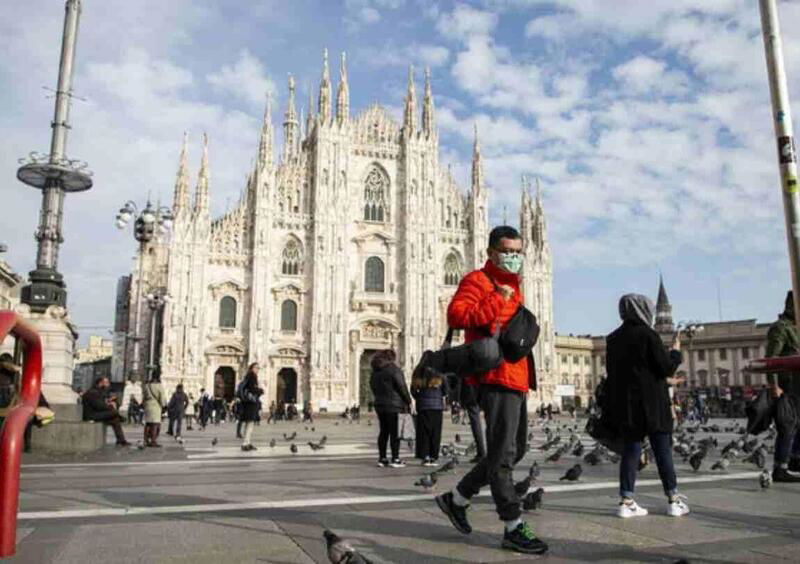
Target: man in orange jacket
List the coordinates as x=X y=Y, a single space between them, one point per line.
x=484 y=299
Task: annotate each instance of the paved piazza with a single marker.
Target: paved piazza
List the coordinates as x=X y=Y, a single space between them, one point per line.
x=202 y=503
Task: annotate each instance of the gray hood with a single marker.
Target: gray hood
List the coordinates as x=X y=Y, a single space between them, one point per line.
x=637 y=308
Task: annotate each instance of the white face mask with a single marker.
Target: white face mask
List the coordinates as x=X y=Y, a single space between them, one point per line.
x=510 y=262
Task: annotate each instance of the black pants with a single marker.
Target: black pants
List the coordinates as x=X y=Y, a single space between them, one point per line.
x=175 y=424
x=506 y=436
x=388 y=433
x=429 y=432
x=114 y=420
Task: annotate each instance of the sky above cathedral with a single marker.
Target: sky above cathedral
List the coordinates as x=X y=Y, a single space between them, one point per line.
x=647 y=123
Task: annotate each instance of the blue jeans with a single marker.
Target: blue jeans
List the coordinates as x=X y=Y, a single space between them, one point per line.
x=629 y=464
x=787 y=445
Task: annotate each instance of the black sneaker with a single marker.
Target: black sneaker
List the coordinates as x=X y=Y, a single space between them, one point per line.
x=456 y=514
x=794 y=465
x=383 y=463
x=522 y=539
x=783 y=475
x=397 y=463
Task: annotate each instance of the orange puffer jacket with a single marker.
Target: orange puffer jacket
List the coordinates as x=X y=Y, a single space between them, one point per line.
x=477 y=307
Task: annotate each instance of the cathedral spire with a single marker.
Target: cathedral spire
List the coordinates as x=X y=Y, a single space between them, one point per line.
x=477 y=165
x=310 y=115
x=428 y=121
x=325 y=91
x=343 y=94
x=265 y=143
x=201 y=193
x=410 y=112
x=180 y=201
x=290 y=124
x=539 y=221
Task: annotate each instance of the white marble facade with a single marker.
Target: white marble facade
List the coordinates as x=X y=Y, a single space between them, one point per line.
x=353 y=240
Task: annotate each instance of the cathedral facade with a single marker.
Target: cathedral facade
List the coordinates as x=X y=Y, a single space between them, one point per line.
x=352 y=240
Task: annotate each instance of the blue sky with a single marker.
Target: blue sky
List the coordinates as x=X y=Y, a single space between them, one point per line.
x=648 y=123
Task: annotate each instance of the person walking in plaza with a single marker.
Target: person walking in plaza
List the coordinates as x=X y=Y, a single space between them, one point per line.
x=429 y=390
x=485 y=299
x=97 y=406
x=391 y=397
x=249 y=395
x=637 y=401
x=176 y=410
x=783 y=339
x=190 y=412
x=153 y=401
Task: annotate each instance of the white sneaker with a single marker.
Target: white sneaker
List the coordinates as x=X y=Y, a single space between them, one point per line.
x=677 y=506
x=632 y=509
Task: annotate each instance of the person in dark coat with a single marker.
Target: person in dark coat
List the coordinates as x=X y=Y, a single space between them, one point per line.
x=249 y=395
x=783 y=339
x=176 y=410
x=98 y=406
x=391 y=398
x=429 y=390
x=637 y=400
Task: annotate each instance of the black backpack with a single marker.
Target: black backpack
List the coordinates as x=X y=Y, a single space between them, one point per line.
x=520 y=335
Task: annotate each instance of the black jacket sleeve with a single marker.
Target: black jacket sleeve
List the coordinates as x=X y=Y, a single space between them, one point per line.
x=663 y=363
x=400 y=385
x=94 y=403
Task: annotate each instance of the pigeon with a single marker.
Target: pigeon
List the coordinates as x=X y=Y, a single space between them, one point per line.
x=214 y=441
x=523 y=486
x=291 y=437
x=313 y=429
x=315 y=446
x=369 y=422
x=613 y=458
x=323 y=440
x=293 y=448
x=340 y=551
x=573 y=473
x=445 y=450
x=534 y=470
x=554 y=457
x=180 y=440
x=139 y=445
x=427 y=481
x=533 y=500
x=447 y=466
x=765 y=479
x=272 y=443
x=578 y=451
x=592 y=458
x=696 y=460
x=721 y=464
x=758 y=457
x=458 y=438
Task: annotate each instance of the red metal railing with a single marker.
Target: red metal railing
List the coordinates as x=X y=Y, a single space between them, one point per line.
x=11 y=436
x=774 y=364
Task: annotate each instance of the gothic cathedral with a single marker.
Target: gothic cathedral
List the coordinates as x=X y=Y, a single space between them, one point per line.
x=353 y=241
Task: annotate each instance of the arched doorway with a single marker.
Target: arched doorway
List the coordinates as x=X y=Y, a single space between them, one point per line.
x=287 y=386
x=225 y=383
x=365 y=397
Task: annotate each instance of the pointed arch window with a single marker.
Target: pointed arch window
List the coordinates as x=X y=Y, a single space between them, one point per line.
x=376 y=187
x=227 y=312
x=374 y=275
x=288 y=316
x=292 y=258
x=452 y=270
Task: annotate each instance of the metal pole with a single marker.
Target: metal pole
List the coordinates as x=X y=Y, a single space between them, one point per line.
x=136 y=335
x=151 y=353
x=787 y=160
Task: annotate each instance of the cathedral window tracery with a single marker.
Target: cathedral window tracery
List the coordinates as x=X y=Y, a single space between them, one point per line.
x=376 y=186
x=292 y=259
x=374 y=275
x=227 y=312
x=288 y=316
x=452 y=270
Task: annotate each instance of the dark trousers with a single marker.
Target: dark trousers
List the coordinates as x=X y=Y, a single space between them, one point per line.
x=175 y=424
x=474 y=413
x=506 y=435
x=661 y=443
x=114 y=420
x=388 y=433
x=239 y=428
x=429 y=433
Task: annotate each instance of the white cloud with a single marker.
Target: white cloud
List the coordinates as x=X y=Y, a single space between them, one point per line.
x=464 y=22
x=246 y=79
x=368 y=12
x=643 y=74
x=419 y=54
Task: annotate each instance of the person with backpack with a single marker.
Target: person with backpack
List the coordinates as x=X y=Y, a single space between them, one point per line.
x=635 y=400
x=487 y=303
x=429 y=391
x=249 y=395
x=783 y=339
x=176 y=410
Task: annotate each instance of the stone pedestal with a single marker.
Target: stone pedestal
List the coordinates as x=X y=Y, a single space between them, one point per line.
x=58 y=352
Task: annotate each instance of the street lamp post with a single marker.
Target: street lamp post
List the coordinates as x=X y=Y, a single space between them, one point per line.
x=156 y=302
x=147 y=225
